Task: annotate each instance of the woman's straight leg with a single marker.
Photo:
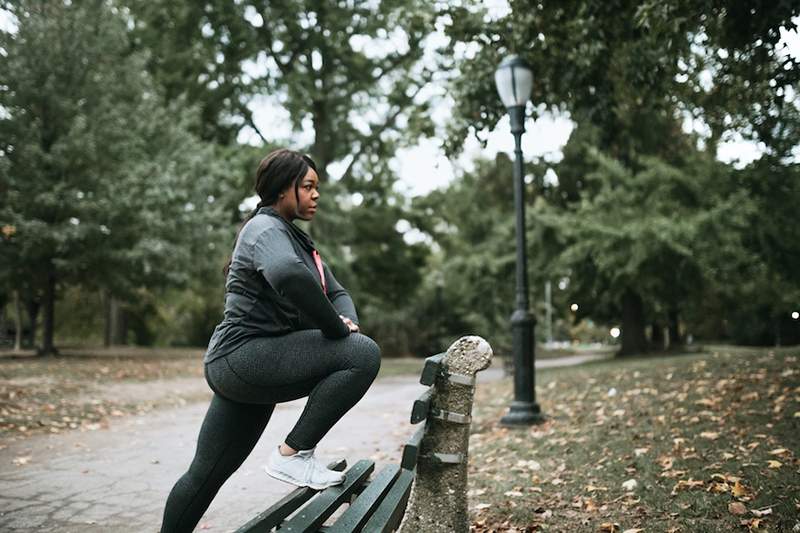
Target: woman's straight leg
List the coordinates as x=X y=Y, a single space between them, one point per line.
x=229 y=432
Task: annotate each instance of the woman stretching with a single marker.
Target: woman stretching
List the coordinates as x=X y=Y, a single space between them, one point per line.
x=289 y=331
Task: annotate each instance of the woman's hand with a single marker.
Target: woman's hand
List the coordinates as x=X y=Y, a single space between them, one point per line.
x=349 y=323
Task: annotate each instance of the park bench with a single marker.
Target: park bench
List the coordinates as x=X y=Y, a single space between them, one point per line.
x=426 y=492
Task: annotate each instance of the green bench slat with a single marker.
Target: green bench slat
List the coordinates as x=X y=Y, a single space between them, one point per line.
x=358 y=513
x=431 y=369
x=422 y=405
x=277 y=512
x=313 y=515
x=411 y=449
x=390 y=512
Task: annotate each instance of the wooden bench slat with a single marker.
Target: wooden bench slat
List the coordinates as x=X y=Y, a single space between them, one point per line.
x=277 y=512
x=421 y=407
x=411 y=449
x=431 y=369
x=358 y=513
x=390 y=512
x=313 y=515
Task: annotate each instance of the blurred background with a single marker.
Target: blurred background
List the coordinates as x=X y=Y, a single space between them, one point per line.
x=661 y=166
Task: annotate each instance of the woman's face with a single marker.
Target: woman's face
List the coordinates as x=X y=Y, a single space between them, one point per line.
x=304 y=205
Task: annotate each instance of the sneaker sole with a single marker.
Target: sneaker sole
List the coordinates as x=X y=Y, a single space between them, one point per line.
x=286 y=479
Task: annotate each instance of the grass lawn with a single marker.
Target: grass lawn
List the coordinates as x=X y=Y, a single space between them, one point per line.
x=696 y=443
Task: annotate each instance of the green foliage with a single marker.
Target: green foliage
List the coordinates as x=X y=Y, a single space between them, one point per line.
x=472 y=226
x=645 y=226
x=103 y=184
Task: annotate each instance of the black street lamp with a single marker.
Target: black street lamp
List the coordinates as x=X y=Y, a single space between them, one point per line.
x=514 y=81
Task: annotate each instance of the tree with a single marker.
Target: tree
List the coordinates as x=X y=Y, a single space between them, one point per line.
x=104 y=186
x=629 y=73
x=351 y=78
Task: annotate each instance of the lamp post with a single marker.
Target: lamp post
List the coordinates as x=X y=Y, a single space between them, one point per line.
x=514 y=81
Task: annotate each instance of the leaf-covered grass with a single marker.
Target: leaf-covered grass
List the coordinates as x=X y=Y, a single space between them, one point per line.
x=85 y=387
x=692 y=443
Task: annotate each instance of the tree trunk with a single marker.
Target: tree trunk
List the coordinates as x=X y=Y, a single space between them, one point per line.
x=633 y=337
x=656 y=336
x=17 y=322
x=33 y=317
x=675 y=338
x=48 y=325
x=116 y=322
x=107 y=309
x=3 y=328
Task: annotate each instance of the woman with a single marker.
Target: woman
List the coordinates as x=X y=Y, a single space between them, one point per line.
x=289 y=331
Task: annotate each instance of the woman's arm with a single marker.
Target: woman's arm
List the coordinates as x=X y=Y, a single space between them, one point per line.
x=275 y=258
x=339 y=296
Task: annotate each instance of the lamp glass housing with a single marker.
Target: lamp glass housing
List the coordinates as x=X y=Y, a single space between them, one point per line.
x=514 y=80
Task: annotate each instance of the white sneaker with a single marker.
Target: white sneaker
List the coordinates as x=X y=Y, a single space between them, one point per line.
x=302 y=469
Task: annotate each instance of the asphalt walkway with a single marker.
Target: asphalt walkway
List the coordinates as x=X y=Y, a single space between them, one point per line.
x=117 y=479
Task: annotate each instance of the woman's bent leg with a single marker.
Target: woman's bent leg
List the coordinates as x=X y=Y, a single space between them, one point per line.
x=334 y=374
x=337 y=393
x=228 y=434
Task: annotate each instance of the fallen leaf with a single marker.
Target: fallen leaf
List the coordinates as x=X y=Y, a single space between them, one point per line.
x=608 y=527
x=630 y=485
x=737 y=508
x=686 y=484
x=738 y=490
x=710 y=435
x=634 y=530
x=22 y=460
x=761 y=512
x=779 y=451
x=774 y=464
x=666 y=462
x=482 y=506
x=718 y=488
x=752 y=523
x=513 y=493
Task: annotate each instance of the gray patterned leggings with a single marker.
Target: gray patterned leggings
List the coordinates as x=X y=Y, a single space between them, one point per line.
x=247 y=383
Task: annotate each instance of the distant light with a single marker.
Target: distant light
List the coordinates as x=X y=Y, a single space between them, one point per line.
x=795 y=315
x=563 y=283
x=574 y=307
x=614 y=332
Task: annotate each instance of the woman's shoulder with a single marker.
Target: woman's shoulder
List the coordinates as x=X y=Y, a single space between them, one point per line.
x=259 y=226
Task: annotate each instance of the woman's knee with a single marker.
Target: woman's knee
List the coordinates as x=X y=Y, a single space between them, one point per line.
x=367 y=354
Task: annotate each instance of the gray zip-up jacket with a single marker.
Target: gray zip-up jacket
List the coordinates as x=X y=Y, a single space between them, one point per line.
x=273 y=288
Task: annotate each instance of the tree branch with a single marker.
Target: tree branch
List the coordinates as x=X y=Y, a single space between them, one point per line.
x=374 y=135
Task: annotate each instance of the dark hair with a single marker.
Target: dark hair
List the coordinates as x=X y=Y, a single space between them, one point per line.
x=276 y=173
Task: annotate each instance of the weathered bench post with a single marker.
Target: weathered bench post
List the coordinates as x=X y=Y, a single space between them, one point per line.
x=438 y=500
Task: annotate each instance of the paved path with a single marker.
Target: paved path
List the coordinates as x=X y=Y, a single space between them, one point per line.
x=117 y=479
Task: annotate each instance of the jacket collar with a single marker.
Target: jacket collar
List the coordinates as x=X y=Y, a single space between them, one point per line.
x=299 y=235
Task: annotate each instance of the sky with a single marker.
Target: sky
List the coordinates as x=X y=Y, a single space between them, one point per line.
x=544 y=137
x=424 y=167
